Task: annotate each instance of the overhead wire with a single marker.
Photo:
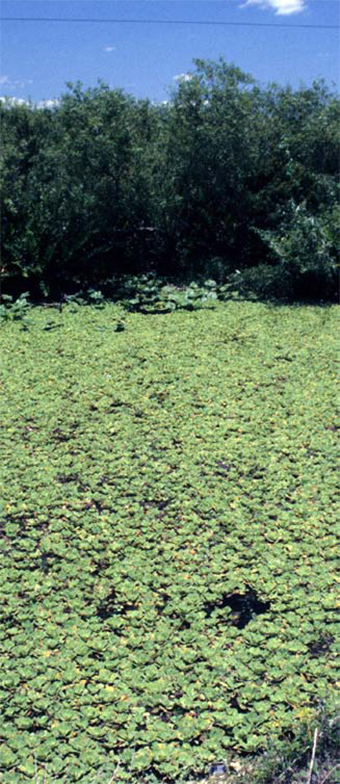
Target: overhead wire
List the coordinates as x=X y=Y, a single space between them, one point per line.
x=169 y=22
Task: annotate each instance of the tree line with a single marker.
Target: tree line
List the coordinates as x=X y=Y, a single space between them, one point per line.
x=227 y=175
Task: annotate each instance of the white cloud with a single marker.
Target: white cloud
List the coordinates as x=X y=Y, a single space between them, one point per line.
x=184 y=77
x=14 y=82
x=160 y=103
x=281 y=7
x=109 y=48
x=50 y=103
x=11 y=100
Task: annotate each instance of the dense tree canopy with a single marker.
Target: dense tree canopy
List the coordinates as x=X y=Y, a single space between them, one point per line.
x=227 y=175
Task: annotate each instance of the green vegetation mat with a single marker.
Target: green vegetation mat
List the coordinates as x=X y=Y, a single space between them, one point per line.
x=168 y=540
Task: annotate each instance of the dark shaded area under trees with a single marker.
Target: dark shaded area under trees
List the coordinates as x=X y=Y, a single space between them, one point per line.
x=228 y=175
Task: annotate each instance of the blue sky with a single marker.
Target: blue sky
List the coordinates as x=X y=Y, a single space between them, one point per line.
x=39 y=58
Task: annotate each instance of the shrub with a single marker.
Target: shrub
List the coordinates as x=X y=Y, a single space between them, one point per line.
x=305 y=252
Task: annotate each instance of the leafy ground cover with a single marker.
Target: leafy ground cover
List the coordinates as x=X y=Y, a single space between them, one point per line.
x=168 y=539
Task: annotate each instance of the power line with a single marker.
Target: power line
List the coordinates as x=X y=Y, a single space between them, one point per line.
x=168 y=22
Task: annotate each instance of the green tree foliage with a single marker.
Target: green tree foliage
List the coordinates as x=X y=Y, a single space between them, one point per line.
x=81 y=192
x=103 y=184
x=210 y=154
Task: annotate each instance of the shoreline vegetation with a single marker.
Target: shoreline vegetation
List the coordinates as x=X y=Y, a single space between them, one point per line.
x=228 y=180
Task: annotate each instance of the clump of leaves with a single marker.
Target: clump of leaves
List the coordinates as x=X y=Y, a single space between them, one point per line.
x=15 y=310
x=150 y=295
x=87 y=297
x=190 y=297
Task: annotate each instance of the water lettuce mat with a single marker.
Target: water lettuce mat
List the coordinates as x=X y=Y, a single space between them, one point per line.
x=168 y=539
